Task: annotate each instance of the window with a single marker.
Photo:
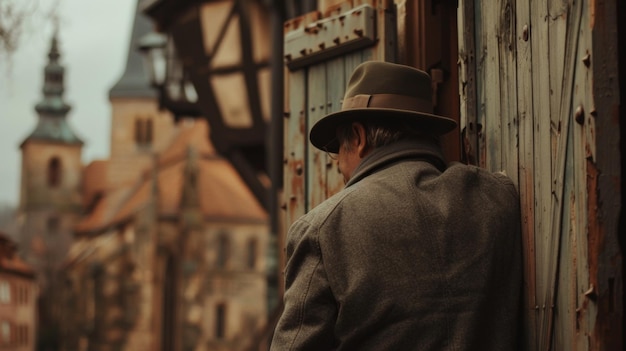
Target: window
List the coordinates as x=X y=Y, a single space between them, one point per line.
x=143 y=131
x=252 y=253
x=5 y=292
x=54 y=172
x=223 y=251
x=220 y=321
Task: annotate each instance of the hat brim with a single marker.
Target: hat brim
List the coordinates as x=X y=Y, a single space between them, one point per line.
x=323 y=134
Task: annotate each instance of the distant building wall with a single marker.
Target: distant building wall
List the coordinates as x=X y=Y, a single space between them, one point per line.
x=137 y=288
x=38 y=189
x=138 y=131
x=18 y=299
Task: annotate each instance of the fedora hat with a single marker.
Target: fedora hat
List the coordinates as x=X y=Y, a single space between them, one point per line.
x=382 y=91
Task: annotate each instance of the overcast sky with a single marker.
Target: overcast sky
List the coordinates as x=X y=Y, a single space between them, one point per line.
x=93 y=41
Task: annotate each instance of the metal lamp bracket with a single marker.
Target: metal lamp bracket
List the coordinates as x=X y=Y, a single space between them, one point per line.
x=330 y=37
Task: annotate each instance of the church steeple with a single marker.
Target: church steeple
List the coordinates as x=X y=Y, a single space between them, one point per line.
x=52 y=109
x=135 y=82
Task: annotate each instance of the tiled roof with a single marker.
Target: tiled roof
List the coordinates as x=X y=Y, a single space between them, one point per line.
x=221 y=192
x=105 y=210
x=94 y=180
x=10 y=261
x=55 y=129
x=196 y=134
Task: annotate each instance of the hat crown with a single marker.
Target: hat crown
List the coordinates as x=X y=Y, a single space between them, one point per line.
x=377 y=77
x=386 y=92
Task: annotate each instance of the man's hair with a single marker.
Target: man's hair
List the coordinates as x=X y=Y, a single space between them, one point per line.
x=380 y=133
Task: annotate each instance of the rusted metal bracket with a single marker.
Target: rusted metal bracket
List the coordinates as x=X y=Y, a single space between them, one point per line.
x=330 y=37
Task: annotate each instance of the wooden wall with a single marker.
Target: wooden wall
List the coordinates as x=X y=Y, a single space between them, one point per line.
x=531 y=86
x=315 y=89
x=538 y=97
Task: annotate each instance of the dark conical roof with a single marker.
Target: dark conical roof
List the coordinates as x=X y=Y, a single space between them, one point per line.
x=135 y=81
x=52 y=109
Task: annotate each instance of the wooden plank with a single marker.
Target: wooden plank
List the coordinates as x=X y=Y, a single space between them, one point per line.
x=489 y=88
x=526 y=172
x=557 y=207
x=316 y=159
x=295 y=145
x=606 y=173
x=541 y=73
x=467 y=80
x=557 y=23
x=565 y=330
x=386 y=26
x=542 y=170
x=581 y=103
x=336 y=74
x=508 y=90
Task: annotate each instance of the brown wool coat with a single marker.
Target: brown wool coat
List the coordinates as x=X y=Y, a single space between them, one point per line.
x=406 y=257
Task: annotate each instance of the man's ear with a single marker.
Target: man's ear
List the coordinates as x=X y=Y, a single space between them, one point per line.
x=360 y=139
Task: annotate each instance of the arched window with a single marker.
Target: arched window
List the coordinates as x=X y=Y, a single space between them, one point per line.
x=223 y=251
x=54 y=172
x=252 y=253
x=143 y=131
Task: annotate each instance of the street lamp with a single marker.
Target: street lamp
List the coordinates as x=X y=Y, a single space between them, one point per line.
x=167 y=75
x=232 y=50
x=224 y=47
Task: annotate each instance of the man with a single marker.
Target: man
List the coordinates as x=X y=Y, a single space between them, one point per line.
x=412 y=254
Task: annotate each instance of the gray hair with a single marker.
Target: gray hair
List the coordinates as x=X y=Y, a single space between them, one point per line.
x=381 y=133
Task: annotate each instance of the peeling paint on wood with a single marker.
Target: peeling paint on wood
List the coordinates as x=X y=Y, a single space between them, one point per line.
x=316 y=89
x=546 y=97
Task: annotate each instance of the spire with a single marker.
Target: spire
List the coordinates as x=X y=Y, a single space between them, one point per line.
x=135 y=81
x=53 y=88
x=52 y=109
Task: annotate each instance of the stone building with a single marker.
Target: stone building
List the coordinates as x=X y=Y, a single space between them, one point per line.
x=50 y=194
x=160 y=247
x=18 y=292
x=170 y=253
x=173 y=262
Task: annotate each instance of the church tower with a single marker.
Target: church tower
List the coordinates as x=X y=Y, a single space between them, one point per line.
x=139 y=127
x=50 y=201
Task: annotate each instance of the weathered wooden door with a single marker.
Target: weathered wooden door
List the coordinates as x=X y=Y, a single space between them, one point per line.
x=541 y=101
x=321 y=51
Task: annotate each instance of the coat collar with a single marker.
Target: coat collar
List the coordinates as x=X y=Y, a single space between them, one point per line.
x=400 y=150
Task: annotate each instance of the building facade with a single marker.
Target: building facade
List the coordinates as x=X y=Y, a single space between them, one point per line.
x=50 y=197
x=173 y=262
x=171 y=252
x=18 y=300
x=162 y=246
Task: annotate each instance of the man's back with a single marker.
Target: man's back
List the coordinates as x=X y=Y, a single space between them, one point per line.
x=410 y=258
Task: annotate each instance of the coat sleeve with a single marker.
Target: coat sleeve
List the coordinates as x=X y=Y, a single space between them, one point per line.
x=310 y=310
